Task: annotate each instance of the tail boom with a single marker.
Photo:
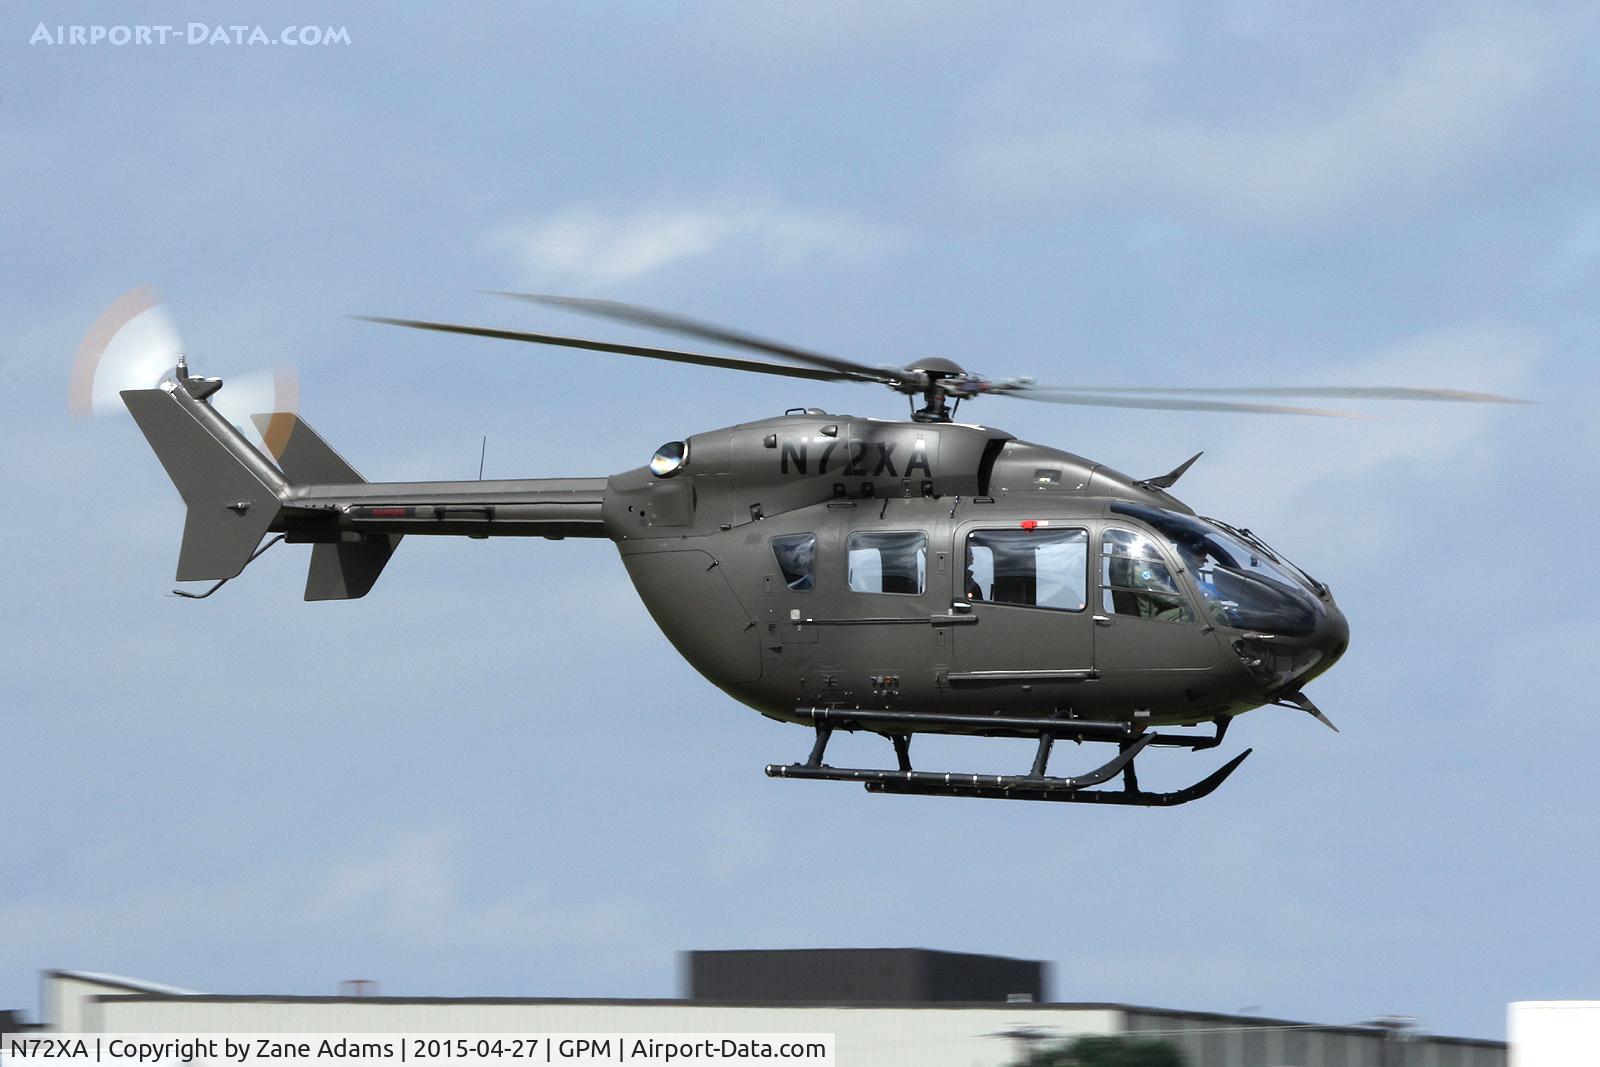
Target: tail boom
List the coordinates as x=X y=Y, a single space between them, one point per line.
x=532 y=507
x=236 y=495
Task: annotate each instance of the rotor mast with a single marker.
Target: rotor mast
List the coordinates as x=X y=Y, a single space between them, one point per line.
x=927 y=377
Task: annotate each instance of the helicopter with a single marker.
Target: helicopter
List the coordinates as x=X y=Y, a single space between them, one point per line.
x=900 y=577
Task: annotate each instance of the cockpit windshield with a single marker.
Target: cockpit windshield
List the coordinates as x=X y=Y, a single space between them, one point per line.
x=1244 y=584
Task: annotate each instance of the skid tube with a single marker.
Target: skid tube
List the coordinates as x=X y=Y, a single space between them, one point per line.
x=898 y=726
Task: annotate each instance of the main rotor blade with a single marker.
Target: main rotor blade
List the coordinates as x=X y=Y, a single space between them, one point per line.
x=1163 y=404
x=725 y=362
x=705 y=331
x=1331 y=392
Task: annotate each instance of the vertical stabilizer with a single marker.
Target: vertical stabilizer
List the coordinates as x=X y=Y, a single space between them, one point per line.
x=302 y=453
x=232 y=490
x=345 y=570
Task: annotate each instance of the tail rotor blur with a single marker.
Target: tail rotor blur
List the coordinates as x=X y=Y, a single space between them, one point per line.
x=135 y=344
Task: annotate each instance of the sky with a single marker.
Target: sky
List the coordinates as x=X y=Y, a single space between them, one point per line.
x=493 y=776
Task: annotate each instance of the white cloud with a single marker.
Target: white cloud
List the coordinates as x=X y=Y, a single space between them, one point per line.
x=587 y=246
x=1458 y=94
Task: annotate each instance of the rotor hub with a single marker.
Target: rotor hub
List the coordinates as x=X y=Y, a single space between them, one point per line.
x=936 y=379
x=937 y=367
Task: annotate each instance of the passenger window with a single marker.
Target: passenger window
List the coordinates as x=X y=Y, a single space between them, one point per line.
x=1136 y=579
x=888 y=562
x=797 y=559
x=1041 y=568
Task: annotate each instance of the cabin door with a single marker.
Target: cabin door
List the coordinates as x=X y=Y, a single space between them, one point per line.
x=1026 y=590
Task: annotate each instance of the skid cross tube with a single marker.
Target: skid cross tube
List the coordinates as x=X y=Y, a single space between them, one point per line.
x=1041 y=761
x=1002 y=784
x=1037 y=784
x=902 y=750
x=820 y=747
x=1061 y=729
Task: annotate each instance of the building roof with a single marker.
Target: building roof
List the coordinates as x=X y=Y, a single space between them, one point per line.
x=134 y=985
x=1231 y=1020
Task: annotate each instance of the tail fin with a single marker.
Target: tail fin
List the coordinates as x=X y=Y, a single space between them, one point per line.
x=301 y=451
x=345 y=570
x=233 y=492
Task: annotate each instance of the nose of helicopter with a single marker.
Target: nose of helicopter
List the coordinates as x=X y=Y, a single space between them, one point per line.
x=1330 y=639
x=1282 y=663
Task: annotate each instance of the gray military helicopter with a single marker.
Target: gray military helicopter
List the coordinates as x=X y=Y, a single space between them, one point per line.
x=846 y=573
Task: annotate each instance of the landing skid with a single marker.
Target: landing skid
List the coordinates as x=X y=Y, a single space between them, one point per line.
x=897 y=726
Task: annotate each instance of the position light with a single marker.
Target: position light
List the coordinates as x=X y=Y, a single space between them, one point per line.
x=669 y=459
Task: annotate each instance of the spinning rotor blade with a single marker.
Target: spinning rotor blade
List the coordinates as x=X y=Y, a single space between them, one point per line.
x=705 y=331
x=937 y=380
x=134 y=344
x=727 y=362
x=1332 y=392
x=242 y=396
x=1051 y=396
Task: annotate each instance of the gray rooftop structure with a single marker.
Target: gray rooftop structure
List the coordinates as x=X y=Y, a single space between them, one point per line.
x=990 y=1032
x=860 y=976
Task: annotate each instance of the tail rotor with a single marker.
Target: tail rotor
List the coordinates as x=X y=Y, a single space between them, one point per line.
x=135 y=344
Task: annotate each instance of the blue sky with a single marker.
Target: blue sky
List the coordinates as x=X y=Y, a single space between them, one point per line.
x=253 y=794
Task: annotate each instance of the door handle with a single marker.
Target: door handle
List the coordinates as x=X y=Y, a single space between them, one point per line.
x=953 y=620
x=960 y=615
x=1102 y=620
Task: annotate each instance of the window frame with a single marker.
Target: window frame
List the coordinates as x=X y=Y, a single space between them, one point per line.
x=966 y=566
x=772 y=545
x=927 y=561
x=1183 y=594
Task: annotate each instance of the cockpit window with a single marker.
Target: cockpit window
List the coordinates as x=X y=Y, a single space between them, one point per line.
x=797 y=559
x=888 y=562
x=1244 y=584
x=1135 y=579
x=1045 y=567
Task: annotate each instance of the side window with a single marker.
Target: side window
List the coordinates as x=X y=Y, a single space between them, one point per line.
x=1042 y=568
x=797 y=559
x=888 y=562
x=1136 y=580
